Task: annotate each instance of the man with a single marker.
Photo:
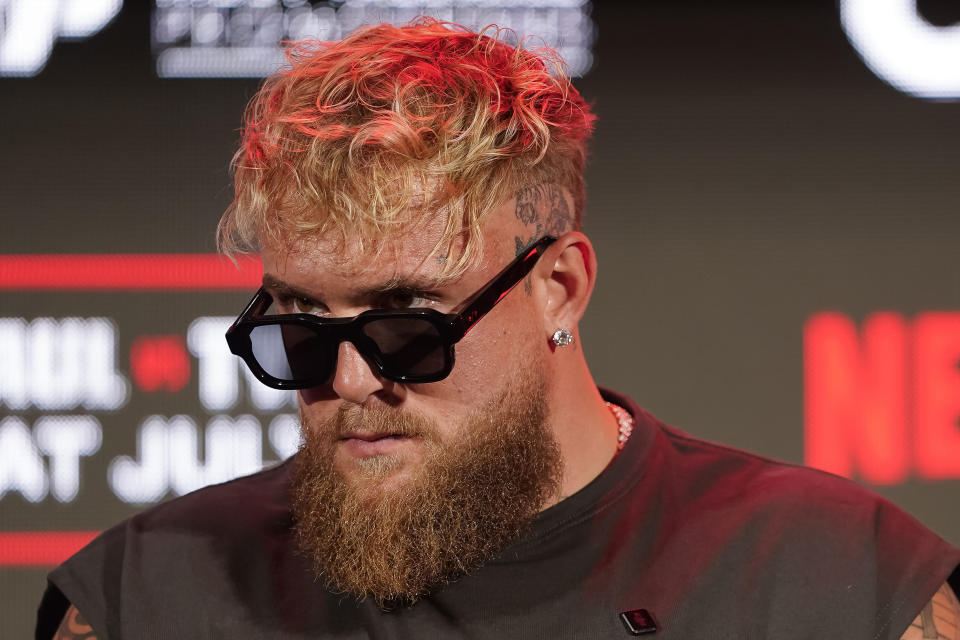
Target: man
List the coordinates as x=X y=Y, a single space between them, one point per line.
x=416 y=195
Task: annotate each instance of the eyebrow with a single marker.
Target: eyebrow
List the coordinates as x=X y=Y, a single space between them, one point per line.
x=273 y=283
x=396 y=284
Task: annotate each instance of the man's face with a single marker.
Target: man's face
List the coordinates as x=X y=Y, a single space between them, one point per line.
x=400 y=488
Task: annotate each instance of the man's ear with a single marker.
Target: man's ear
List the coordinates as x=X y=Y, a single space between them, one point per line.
x=568 y=275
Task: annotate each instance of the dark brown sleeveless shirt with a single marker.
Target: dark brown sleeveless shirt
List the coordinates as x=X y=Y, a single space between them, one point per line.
x=713 y=542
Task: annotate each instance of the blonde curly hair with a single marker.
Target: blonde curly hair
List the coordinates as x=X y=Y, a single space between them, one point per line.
x=395 y=125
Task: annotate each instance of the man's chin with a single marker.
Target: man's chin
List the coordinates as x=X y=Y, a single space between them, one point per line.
x=380 y=473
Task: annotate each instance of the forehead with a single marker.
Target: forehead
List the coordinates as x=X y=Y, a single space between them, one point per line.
x=351 y=260
x=406 y=257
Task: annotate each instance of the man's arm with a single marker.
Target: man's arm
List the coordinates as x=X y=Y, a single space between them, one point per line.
x=75 y=627
x=939 y=619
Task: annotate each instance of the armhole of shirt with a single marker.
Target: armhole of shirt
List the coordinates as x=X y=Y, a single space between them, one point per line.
x=902 y=611
x=53 y=607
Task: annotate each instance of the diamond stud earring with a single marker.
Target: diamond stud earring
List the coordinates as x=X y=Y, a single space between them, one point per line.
x=562 y=338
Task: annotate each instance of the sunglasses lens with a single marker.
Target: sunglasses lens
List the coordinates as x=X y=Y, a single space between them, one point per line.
x=408 y=346
x=292 y=352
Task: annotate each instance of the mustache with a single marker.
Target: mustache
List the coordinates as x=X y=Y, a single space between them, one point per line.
x=379 y=420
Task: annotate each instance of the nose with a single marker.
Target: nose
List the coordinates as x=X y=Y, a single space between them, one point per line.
x=353 y=379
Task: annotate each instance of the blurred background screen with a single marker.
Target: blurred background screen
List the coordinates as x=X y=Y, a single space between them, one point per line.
x=772 y=191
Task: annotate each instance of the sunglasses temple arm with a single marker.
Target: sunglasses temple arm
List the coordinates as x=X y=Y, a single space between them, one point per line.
x=494 y=292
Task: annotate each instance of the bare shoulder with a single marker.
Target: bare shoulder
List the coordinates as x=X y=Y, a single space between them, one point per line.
x=74 y=627
x=940 y=618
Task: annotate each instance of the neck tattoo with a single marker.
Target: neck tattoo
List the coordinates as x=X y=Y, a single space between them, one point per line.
x=625 y=423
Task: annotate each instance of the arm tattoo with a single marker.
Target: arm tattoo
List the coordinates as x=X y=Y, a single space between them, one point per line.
x=938 y=620
x=74 y=627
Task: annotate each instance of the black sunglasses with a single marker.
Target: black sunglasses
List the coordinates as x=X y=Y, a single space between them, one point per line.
x=299 y=350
